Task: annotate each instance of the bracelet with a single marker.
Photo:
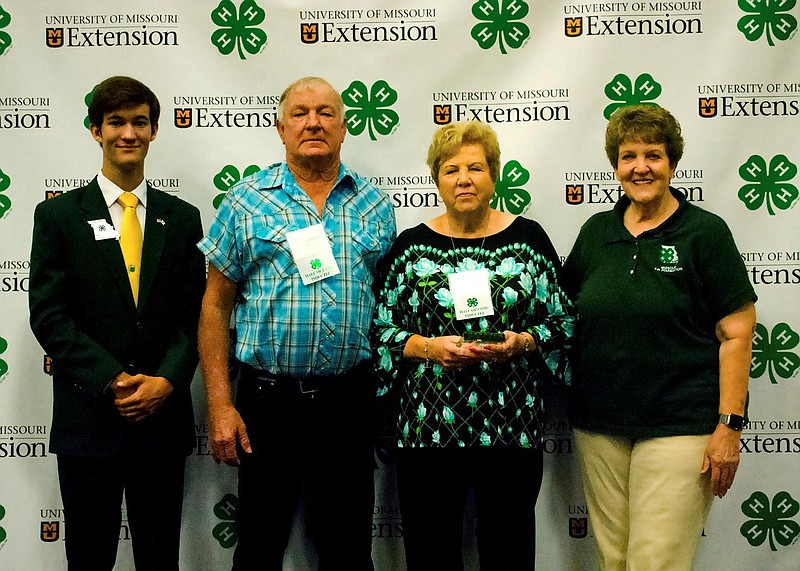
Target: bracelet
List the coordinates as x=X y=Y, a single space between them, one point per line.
x=425 y=350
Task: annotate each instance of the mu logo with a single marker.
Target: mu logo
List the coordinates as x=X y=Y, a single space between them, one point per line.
x=707 y=107
x=183 y=118
x=573 y=27
x=442 y=114
x=309 y=33
x=54 y=37
x=574 y=194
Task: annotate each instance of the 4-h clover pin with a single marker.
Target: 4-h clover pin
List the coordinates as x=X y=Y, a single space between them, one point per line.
x=499 y=24
x=370 y=109
x=5 y=201
x=624 y=92
x=472 y=302
x=316 y=264
x=5 y=39
x=509 y=196
x=775 y=524
x=773 y=353
x=768 y=17
x=227 y=177
x=768 y=184
x=226 y=532
x=238 y=28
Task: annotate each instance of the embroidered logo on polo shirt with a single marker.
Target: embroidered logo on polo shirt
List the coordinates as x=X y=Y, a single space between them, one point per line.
x=668 y=256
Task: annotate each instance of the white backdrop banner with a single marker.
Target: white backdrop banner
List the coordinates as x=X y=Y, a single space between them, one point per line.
x=544 y=74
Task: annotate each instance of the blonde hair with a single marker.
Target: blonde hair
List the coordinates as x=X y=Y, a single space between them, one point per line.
x=449 y=139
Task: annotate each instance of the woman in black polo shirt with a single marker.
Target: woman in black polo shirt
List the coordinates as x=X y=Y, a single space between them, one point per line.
x=662 y=352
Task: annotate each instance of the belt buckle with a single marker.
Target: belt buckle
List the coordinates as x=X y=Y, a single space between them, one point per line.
x=307 y=391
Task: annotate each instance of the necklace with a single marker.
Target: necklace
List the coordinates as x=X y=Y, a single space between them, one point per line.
x=450 y=231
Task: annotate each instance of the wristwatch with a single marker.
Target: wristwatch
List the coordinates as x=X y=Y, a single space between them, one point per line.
x=732 y=421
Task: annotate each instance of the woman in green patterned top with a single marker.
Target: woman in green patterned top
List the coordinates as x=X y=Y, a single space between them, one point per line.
x=470 y=322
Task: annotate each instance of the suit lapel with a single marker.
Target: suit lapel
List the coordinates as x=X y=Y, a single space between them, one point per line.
x=94 y=208
x=155 y=233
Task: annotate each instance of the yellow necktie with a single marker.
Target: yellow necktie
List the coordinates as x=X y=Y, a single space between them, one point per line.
x=130 y=240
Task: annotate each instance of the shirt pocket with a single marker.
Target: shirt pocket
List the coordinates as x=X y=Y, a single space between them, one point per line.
x=270 y=249
x=367 y=251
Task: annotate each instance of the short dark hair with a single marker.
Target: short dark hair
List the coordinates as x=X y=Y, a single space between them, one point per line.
x=121 y=92
x=649 y=124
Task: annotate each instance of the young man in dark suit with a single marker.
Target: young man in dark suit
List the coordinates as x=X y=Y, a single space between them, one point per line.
x=115 y=288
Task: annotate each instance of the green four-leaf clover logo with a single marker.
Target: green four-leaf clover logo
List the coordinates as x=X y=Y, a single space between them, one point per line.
x=370 y=109
x=668 y=255
x=238 y=28
x=775 y=523
x=499 y=24
x=227 y=177
x=768 y=17
x=316 y=264
x=87 y=99
x=509 y=196
x=768 y=184
x=472 y=302
x=227 y=531
x=624 y=92
x=5 y=201
x=774 y=354
x=5 y=39
x=3 y=534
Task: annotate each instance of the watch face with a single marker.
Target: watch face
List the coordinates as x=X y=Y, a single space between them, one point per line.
x=733 y=421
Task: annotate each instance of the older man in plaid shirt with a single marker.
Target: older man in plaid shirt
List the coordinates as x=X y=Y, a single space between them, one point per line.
x=293 y=251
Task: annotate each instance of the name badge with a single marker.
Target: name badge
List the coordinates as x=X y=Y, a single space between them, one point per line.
x=472 y=295
x=103 y=230
x=312 y=254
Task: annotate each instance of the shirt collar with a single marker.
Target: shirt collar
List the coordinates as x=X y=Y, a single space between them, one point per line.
x=111 y=191
x=618 y=232
x=346 y=179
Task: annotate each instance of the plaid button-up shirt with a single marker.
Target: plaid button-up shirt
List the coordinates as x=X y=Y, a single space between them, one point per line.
x=283 y=326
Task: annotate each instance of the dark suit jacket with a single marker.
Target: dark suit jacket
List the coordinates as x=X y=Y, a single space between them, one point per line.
x=83 y=314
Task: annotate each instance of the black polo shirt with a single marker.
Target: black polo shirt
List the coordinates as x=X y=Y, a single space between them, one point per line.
x=646 y=360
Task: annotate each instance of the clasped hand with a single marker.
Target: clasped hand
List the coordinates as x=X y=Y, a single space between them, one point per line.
x=139 y=396
x=453 y=353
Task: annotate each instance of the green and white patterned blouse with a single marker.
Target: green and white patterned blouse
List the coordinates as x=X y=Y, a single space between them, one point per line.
x=486 y=404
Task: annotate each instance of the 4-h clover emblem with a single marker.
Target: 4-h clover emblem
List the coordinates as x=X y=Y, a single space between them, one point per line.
x=3 y=364
x=624 y=92
x=499 y=24
x=3 y=534
x=769 y=17
x=5 y=201
x=5 y=39
x=768 y=184
x=316 y=264
x=227 y=177
x=509 y=196
x=238 y=28
x=226 y=532
x=668 y=255
x=774 y=523
x=472 y=302
x=774 y=354
x=87 y=99
x=370 y=110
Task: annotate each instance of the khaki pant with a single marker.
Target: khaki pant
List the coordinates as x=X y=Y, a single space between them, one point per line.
x=647 y=500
